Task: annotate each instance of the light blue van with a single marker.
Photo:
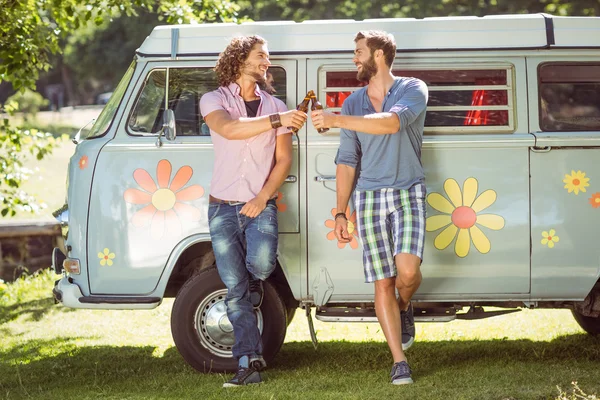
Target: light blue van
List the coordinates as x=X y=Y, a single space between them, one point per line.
x=511 y=156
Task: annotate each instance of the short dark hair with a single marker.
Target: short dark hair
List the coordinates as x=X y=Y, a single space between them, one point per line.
x=232 y=59
x=377 y=40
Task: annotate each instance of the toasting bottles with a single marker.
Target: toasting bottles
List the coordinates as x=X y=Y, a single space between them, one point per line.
x=303 y=106
x=316 y=105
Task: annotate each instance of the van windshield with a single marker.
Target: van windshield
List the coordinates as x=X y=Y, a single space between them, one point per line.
x=106 y=116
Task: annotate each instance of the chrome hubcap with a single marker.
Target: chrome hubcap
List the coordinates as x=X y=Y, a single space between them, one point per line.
x=214 y=328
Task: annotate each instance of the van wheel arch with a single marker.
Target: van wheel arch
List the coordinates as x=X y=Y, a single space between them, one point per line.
x=200 y=257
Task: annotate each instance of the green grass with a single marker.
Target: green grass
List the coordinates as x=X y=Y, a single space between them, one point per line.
x=51 y=352
x=48 y=181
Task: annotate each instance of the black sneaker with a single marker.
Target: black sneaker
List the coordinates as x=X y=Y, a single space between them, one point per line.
x=258 y=363
x=408 y=327
x=256 y=292
x=243 y=377
x=401 y=373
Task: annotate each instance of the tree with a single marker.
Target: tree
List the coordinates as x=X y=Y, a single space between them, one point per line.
x=299 y=10
x=30 y=32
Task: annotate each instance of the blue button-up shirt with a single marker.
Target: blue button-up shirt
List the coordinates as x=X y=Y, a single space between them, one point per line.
x=391 y=160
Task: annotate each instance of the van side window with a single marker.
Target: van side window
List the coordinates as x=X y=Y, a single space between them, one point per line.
x=186 y=87
x=569 y=96
x=145 y=117
x=465 y=100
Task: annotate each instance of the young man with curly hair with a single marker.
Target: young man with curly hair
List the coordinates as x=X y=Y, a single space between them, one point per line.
x=250 y=131
x=382 y=132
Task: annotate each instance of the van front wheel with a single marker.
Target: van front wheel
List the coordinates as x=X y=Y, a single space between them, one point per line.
x=589 y=324
x=202 y=332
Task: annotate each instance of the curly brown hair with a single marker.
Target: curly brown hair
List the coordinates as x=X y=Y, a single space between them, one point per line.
x=232 y=59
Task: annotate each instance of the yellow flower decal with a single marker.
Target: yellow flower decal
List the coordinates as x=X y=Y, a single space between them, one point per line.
x=576 y=182
x=106 y=257
x=549 y=238
x=460 y=217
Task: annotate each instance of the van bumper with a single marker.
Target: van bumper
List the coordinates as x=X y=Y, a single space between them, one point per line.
x=67 y=293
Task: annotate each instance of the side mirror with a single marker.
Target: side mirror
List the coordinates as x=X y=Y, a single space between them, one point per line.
x=168 y=128
x=169 y=124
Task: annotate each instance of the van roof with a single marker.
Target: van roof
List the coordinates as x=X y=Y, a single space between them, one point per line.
x=520 y=31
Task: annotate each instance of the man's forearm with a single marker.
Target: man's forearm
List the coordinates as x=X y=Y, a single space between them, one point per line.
x=344 y=182
x=376 y=124
x=245 y=128
x=276 y=178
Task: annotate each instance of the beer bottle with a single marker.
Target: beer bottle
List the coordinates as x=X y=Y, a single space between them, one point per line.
x=303 y=107
x=316 y=105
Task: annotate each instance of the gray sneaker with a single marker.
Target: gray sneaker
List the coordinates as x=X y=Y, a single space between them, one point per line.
x=407 y=319
x=401 y=373
x=243 y=377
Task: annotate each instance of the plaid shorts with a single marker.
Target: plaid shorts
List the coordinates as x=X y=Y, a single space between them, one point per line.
x=389 y=222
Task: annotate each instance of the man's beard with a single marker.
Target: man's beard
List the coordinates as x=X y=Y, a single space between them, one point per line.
x=369 y=70
x=262 y=82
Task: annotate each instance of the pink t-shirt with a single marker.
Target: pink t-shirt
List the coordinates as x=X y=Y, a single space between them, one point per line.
x=241 y=167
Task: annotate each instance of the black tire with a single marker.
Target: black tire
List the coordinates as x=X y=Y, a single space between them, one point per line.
x=589 y=324
x=204 y=338
x=290 y=315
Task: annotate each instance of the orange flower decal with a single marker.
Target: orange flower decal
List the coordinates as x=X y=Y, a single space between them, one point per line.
x=330 y=223
x=595 y=200
x=83 y=162
x=163 y=202
x=281 y=207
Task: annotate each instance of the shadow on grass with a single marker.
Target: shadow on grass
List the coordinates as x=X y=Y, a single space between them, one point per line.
x=429 y=357
x=63 y=369
x=33 y=310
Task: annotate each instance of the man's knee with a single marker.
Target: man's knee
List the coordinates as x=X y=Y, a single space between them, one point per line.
x=408 y=275
x=385 y=286
x=261 y=260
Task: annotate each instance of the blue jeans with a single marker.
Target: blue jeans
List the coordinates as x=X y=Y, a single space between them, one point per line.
x=243 y=246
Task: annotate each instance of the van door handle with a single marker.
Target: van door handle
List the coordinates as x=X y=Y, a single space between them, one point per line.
x=538 y=149
x=325 y=178
x=291 y=178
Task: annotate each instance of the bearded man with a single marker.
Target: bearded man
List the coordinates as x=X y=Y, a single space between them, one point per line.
x=381 y=138
x=252 y=141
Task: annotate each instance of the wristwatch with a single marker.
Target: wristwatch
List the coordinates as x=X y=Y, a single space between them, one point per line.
x=340 y=214
x=275 y=121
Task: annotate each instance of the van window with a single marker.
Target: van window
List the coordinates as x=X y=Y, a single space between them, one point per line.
x=569 y=96
x=461 y=100
x=186 y=87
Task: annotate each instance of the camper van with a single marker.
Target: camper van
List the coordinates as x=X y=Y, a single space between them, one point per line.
x=511 y=155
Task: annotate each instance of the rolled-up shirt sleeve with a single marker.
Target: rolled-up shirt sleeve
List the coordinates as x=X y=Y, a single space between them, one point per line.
x=211 y=101
x=412 y=103
x=349 y=150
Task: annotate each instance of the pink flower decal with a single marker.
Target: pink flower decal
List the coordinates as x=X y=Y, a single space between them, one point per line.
x=330 y=223
x=83 y=162
x=163 y=200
